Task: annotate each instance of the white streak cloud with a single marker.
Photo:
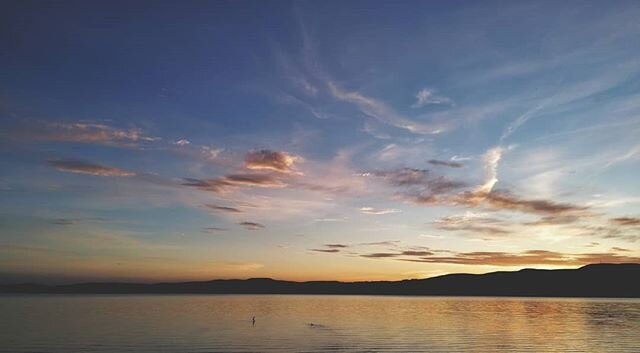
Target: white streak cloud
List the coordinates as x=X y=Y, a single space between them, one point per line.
x=378 y=211
x=381 y=112
x=426 y=97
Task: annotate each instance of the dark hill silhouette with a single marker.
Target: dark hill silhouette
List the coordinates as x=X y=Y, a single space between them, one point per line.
x=597 y=280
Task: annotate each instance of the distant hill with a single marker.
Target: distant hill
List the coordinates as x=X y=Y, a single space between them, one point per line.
x=597 y=280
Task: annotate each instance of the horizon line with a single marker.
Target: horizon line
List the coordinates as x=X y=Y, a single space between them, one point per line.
x=313 y=281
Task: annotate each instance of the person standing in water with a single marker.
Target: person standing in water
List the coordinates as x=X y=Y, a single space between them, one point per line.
x=253 y=321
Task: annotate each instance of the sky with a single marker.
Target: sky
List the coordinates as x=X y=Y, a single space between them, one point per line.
x=343 y=140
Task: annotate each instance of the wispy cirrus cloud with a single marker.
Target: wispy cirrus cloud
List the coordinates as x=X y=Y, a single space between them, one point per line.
x=523 y=118
x=377 y=110
x=81 y=167
x=277 y=161
x=368 y=106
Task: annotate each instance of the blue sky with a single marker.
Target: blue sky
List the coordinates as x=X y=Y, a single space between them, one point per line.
x=316 y=140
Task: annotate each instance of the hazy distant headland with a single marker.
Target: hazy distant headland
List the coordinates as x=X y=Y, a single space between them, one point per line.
x=596 y=280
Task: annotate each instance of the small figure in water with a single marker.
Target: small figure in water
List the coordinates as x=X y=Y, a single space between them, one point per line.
x=253 y=321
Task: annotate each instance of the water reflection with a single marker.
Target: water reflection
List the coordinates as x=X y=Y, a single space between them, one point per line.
x=316 y=324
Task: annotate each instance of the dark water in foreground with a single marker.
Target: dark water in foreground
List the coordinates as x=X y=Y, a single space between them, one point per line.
x=222 y=323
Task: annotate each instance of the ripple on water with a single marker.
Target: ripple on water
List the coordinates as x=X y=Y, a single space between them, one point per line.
x=222 y=323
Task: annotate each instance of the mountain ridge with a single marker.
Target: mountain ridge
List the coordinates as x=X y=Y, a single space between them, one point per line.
x=594 y=280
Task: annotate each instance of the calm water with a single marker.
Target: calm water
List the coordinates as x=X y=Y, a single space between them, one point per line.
x=222 y=323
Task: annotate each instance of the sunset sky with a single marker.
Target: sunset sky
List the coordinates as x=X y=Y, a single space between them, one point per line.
x=347 y=140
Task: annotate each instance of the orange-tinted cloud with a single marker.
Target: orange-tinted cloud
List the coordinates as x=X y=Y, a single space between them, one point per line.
x=493 y=258
x=496 y=258
x=626 y=221
x=530 y=257
x=277 y=161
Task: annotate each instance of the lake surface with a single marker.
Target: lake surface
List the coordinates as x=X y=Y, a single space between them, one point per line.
x=222 y=323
